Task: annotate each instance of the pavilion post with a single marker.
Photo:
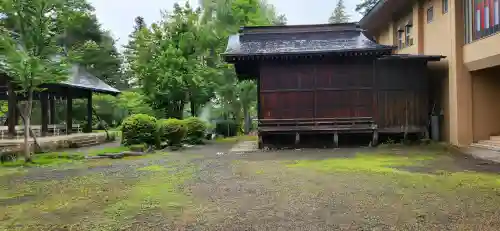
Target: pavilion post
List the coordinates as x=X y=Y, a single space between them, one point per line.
x=44 y=102
x=52 y=108
x=69 y=112
x=12 y=110
x=89 y=112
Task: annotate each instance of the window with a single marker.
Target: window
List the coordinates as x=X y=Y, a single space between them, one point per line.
x=445 y=6
x=408 y=35
x=430 y=14
x=487 y=17
x=478 y=20
x=497 y=12
x=400 y=38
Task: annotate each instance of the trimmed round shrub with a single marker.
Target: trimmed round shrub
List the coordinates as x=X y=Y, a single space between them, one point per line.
x=226 y=128
x=172 y=131
x=196 y=130
x=139 y=129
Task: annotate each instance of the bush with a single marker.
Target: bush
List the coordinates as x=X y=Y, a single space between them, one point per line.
x=196 y=129
x=226 y=128
x=172 y=131
x=139 y=129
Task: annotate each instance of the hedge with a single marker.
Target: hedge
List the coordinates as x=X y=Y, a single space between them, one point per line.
x=196 y=129
x=139 y=129
x=171 y=131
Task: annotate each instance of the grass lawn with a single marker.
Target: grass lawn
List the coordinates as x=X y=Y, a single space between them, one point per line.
x=56 y=159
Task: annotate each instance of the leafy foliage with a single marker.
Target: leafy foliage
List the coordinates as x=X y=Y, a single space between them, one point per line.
x=30 y=54
x=365 y=6
x=139 y=129
x=196 y=129
x=226 y=128
x=339 y=15
x=172 y=131
x=88 y=44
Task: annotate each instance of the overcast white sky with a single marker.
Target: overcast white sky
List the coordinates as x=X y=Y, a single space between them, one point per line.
x=118 y=15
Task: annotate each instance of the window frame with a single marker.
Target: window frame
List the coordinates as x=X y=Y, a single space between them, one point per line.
x=496 y=12
x=400 y=33
x=477 y=18
x=430 y=14
x=408 y=34
x=444 y=7
x=486 y=16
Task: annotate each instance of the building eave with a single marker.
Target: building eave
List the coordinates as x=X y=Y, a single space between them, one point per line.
x=383 y=12
x=231 y=57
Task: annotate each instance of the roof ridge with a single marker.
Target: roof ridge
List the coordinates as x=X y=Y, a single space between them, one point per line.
x=300 y=28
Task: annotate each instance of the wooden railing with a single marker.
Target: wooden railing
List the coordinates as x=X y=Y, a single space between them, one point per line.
x=54 y=129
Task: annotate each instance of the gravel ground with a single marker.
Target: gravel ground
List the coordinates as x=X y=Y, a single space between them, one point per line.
x=264 y=191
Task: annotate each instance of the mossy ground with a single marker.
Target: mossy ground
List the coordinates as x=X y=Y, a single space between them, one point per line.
x=360 y=189
x=108 y=199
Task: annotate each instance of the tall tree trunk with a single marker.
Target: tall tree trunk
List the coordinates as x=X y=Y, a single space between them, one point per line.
x=26 y=117
x=246 y=116
x=193 y=108
x=175 y=110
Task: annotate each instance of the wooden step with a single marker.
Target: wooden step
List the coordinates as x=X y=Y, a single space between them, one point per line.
x=495 y=138
x=486 y=146
x=87 y=143
x=490 y=142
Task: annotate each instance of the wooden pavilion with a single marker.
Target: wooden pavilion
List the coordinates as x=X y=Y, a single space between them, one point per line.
x=330 y=79
x=79 y=85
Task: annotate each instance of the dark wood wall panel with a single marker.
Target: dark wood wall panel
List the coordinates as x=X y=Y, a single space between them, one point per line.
x=287 y=105
x=344 y=103
x=393 y=92
x=402 y=95
x=317 y=90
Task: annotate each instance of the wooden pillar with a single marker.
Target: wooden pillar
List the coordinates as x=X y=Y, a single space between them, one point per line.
x=89 y=113
x=69 y=112
x=52 y=108
x=12 y=109
x=44 y=103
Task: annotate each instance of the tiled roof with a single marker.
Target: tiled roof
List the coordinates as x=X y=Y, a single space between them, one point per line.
x=330 y=39
x=80 y=78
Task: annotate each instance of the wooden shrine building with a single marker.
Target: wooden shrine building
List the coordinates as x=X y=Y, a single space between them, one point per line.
x=330 y=79
x=79 y=85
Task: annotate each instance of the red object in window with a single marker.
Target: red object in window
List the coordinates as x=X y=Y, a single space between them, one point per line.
x=481 y=10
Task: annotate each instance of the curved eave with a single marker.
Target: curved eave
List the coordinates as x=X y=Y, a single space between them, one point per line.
x=231 y=57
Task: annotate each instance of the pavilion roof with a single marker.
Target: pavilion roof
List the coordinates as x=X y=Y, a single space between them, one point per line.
x=323 y=39
x=81 y=78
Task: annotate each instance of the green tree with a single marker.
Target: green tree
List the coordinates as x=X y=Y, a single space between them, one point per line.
x=225 y=17
x=365 y=6
x=339 y=15
x=88 y=44
x=247 y=97
x=176 y=61
x=30 y=54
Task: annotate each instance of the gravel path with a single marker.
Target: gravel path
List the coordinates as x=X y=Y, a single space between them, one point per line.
x=257 y=191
